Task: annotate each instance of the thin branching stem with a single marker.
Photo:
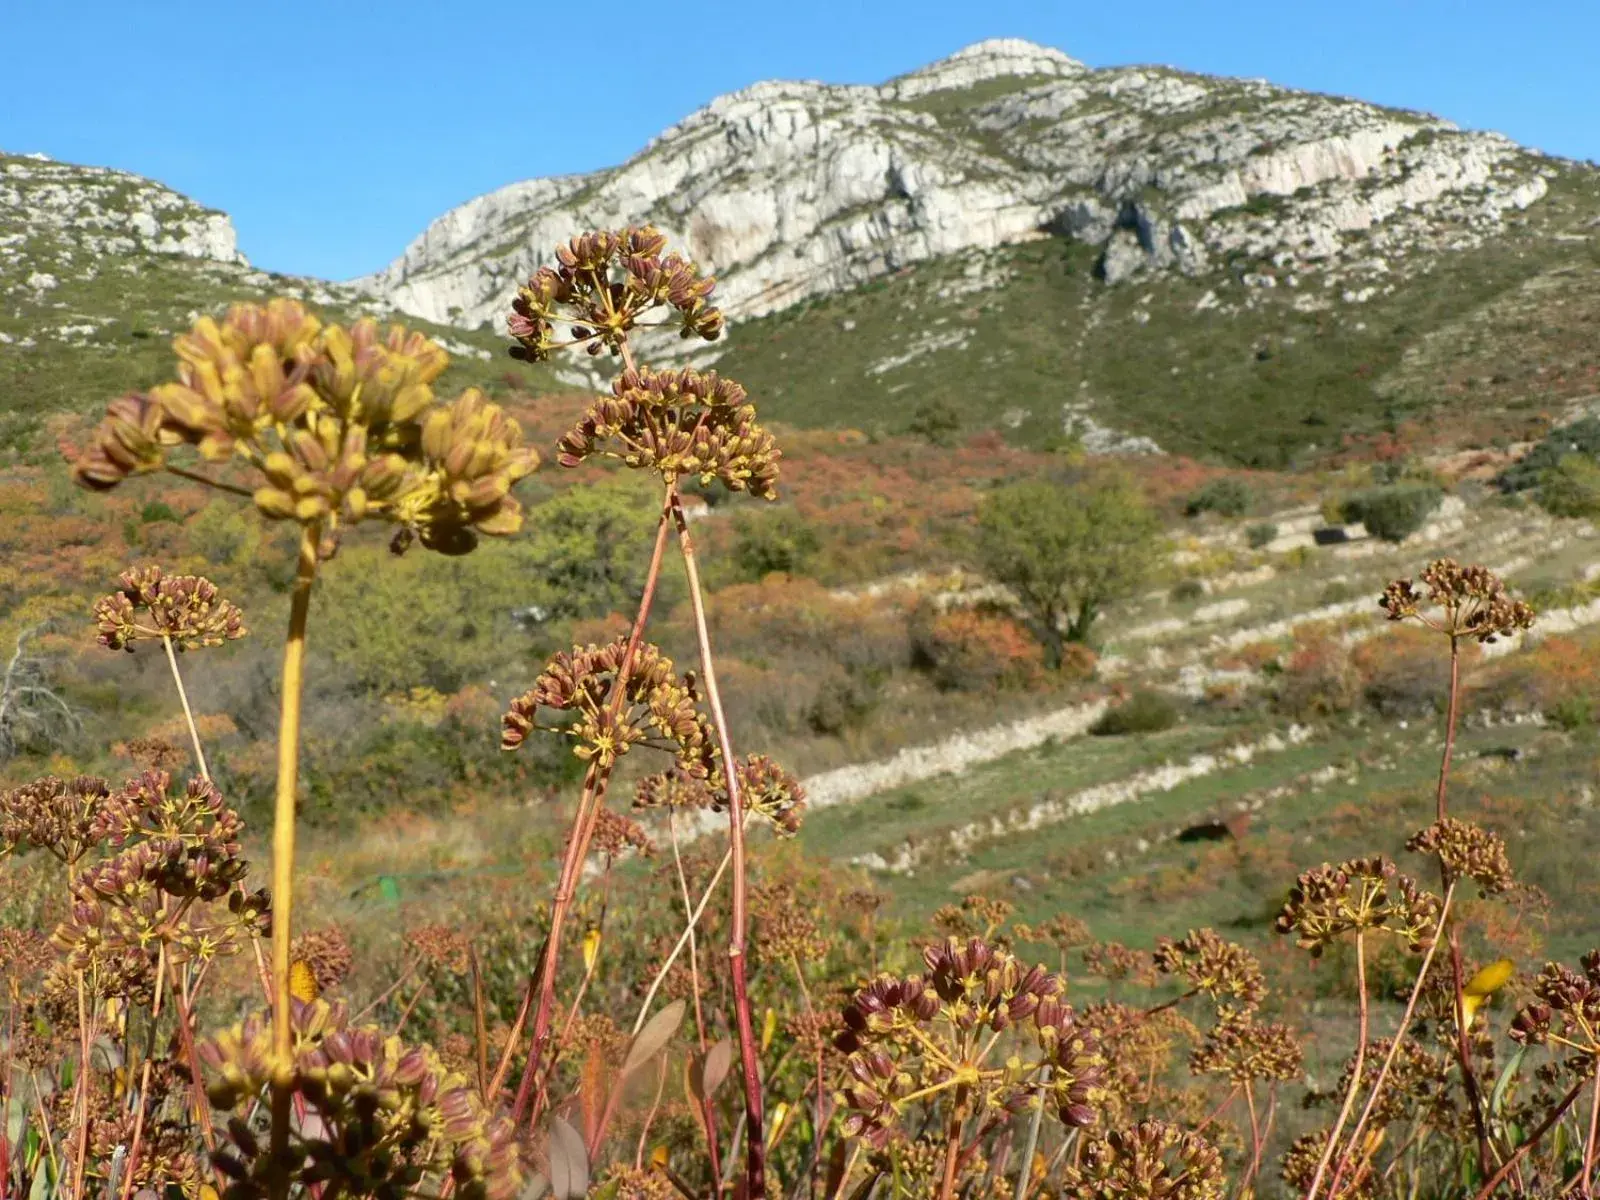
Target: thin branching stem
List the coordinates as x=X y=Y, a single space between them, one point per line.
x=1355 y=1076
x=1450 y=722
x=188 y=713
x=1532 y=1140
x=1025 y=1169
x=755 y=1167
x=589 y=806
x=708 y=1111
x=1394 y=1047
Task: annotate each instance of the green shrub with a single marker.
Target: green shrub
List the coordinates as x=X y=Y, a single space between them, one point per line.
x=1395 y=512
x=1143 y=712
x=1261 y=535
x=1571 y=488
x=1572 y=713
x=1581 y=437
x=937 y=421
x=773 y=541
x=843 y=699
x=1187 y=589
x=1225 y=497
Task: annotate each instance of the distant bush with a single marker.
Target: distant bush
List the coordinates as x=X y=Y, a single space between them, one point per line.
x=1336 y=591
x=1078 y=661
x=773 y=541
x=937 y=421
x=1402 y=675
x=971 y=650
x=1225 y=497
x=1142 y=712
x=1318 y=680
x=843 y=699
x=157 y=510
x=1559 y=677
x=1261 y=536
x=1187 y=589
x=1581 y=437
x=1394 y=512
x=1573 y=713
x=1571 y=488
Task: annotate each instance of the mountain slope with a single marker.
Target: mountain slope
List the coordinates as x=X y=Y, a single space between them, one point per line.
x=1272 y=255
x=99 y=268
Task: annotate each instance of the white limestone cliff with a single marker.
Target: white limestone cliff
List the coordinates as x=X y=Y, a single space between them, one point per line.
x=99 y=211
x=790 y=190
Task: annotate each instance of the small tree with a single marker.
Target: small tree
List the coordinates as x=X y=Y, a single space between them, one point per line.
x=32 y=714
x=1067 y=551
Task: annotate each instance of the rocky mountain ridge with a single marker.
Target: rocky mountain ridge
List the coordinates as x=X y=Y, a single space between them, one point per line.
x=793 y=190
x=99 y=268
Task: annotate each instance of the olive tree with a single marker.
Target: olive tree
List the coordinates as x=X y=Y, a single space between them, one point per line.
x=1066 y=551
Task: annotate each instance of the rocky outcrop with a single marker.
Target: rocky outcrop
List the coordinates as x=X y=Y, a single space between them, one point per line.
x=96 y=211
x=792 y=190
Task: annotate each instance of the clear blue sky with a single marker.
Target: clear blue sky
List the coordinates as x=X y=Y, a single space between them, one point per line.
x=333 y=132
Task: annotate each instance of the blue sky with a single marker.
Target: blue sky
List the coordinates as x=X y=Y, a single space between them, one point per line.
x=333 y=132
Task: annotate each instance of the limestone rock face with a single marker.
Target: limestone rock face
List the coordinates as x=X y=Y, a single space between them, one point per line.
x=98 y=211
x=789 y=190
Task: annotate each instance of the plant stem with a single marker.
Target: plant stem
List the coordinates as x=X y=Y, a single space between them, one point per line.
x=1355 y=1076
x=1394 y=1048
x=1257 y=1142
x=294 y=659
x=683 y=940
x=1025 y=1170
x=952 y=1148
x=1588 y=1145
x=708 y=1111
x=589 y=806
x=188 y=715
x=1450 y=721
x=1528 y=1143
x=755 y=1182
x=137 y=1143
x=1469 y=1078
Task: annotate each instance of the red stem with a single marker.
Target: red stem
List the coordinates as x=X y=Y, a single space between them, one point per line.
x=1450 y=720
x=578 y=843
x=1469 y=1079
x=755 y=1139
x=1528 y=1143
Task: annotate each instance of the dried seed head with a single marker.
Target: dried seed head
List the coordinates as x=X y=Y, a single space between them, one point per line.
x=1466 y=851
x=61 y=816
x=682 y=424
x=602 y=285
x=1474 y=601
x=1362 y=894
x=340 y=425
x=656 y=705
x=1225 y=971
x=327 y=955
x=1149 y=1161
x=381 y=1116
x=1244 y=1049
